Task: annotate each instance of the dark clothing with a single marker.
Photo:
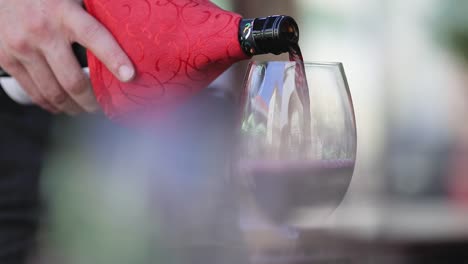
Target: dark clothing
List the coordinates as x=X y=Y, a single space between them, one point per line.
x=23 y=141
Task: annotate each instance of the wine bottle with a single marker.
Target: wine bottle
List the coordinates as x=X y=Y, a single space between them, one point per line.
x=178 y=48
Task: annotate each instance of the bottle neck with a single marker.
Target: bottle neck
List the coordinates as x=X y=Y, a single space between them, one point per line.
x=273 y=34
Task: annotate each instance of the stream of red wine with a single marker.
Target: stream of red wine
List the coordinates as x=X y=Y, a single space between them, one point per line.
x=302 y=88
x=295 y=55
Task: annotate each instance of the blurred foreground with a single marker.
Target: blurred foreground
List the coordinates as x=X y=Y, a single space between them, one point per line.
x=120 y=196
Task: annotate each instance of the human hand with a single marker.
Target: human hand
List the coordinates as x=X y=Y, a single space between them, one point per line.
x=35 y=48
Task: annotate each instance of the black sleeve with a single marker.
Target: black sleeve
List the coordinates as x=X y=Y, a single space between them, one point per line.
x=23 y=142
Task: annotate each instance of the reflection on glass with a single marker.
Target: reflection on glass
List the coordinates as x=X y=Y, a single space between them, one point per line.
x=296 y=153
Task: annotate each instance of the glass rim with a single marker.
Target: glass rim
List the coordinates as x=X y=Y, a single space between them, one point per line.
x=306 y=63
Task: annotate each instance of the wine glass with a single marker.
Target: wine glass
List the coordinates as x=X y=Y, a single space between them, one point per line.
x=297 y=146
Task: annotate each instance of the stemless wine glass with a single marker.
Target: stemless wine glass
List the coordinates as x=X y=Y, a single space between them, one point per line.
x=297 y=146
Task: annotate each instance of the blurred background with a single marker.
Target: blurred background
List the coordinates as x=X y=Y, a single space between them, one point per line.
x=407 y=68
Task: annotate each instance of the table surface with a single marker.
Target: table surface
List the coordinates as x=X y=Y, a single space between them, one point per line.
x=390 y=223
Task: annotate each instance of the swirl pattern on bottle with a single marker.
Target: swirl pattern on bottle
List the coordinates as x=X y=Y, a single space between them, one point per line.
x=177 y=46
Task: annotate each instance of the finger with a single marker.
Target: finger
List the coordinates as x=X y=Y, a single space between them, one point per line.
x=70 y=76
x=87 y=31
x=47 y=84
x=15 y=69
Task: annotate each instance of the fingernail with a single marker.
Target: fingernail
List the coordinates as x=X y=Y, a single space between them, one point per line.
x=72 y=108
x=92 y=105
x=126 y=73
x=73 y=112
x=50 y=108
x=92 y=108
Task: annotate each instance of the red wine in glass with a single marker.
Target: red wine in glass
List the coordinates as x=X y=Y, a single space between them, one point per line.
x=280 y=187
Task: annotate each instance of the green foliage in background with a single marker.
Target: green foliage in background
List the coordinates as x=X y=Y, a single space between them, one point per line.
x=452 y=26
x=250 y=126
x=225 y=4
